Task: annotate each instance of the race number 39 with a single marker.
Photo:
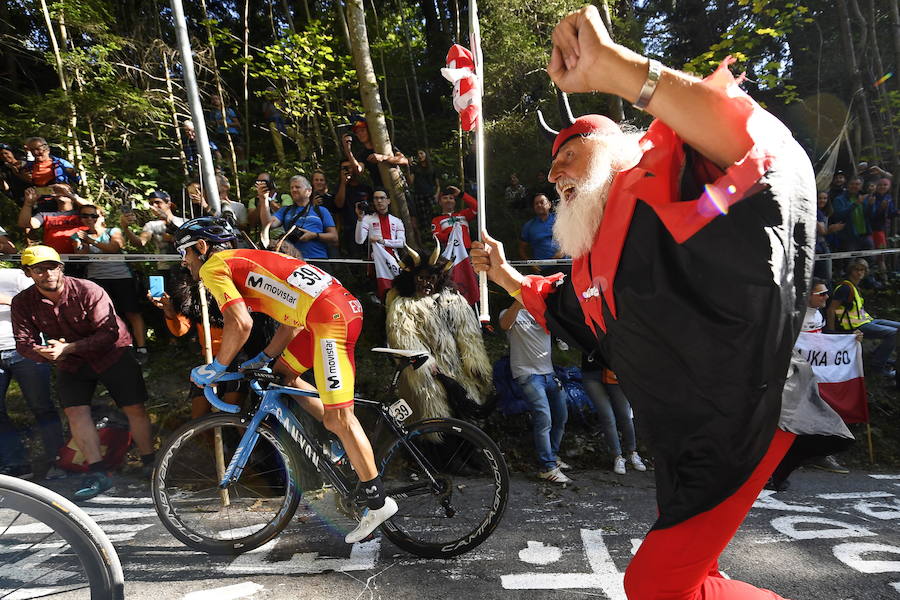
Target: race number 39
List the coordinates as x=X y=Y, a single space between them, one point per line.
x=310 y=280
x=400 y=410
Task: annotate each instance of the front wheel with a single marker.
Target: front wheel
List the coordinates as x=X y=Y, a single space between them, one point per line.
x=49 y=546
x=259 y=504
x=451 y=484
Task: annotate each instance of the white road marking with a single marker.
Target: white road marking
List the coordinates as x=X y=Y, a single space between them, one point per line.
x=538 y=554
x=834 y=529
x=885 y=511
x=603 y=576
x=879 y=476
x=119 y=500
x=767 y=500
x=851 y=554
x=855 y=495
x=362 y=558
x=896 y=586
x=231 y=592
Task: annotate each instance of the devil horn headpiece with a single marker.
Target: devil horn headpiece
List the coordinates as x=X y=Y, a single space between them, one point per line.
x=432 y=260
x=411 y=260
x=572 y=127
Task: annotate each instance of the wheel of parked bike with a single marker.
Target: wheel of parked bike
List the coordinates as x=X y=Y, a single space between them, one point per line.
x=186 y=486
x=50 y=546
x=457 y=500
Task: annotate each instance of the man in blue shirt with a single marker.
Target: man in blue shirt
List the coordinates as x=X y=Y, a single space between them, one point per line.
x=537 y=241
x=308 y=227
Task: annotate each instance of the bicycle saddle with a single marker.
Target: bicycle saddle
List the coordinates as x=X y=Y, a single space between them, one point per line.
x=416 y=358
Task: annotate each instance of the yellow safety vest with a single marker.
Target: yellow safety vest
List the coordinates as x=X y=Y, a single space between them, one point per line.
x=851 y=315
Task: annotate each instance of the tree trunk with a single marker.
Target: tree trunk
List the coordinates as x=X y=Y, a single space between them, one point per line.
x=384 y=75
x=856 y=80
x=415 y=79
x=73 y=148
x=246 y=77
x=881 y=90
x=368 y=91
x=173 y=110
x=223 y=106
x=64 y=38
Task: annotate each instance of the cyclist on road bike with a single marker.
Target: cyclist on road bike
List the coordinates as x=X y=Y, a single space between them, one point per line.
x=320 y=323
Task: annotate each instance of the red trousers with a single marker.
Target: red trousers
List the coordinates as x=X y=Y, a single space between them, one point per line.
x=681 y=562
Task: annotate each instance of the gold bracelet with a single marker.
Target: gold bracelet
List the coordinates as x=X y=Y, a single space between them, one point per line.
x=516 y=293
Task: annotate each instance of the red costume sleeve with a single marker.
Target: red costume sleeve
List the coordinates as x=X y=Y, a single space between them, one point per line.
x=535 y=290
x=471 y=209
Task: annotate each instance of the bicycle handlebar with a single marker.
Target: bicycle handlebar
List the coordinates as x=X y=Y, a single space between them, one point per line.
x=254 y=375
x=213 y=399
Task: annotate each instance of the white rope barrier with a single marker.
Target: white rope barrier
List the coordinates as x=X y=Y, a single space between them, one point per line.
x=85 y=258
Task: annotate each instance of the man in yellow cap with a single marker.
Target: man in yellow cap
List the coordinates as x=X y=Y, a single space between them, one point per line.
x=71 y=323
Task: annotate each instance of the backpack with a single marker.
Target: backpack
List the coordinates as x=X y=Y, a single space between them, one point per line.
x=115 y=440
x=510 y=399
x=579 y=403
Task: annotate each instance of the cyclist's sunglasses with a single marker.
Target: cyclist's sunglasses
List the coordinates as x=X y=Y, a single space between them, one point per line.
x=182 y=250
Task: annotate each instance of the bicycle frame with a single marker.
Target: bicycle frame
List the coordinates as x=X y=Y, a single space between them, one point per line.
x=271 y=404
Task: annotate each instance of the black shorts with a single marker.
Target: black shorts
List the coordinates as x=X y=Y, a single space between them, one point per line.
x=123 y=293
x=123 y=379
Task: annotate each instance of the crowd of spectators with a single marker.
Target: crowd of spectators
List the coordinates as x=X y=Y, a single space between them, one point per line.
x=319 y=215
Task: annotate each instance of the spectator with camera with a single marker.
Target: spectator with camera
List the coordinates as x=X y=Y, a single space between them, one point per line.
x=266 y=193
x=307 y=227
x=114 y=277
x=13 y=181
x=72 y=324
x=374 y=225
x=46 y=169
x=198 y=205
x=366 y=158
x=157 y=232
x=57 y=216
x=351 y=191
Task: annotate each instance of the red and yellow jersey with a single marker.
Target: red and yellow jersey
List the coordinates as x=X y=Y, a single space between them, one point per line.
x=268 y=282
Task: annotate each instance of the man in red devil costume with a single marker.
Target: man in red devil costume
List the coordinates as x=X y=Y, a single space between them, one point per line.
x=692 y=248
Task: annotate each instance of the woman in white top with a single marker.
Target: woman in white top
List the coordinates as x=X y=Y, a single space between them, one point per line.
x=114 y=277
x=379 y=227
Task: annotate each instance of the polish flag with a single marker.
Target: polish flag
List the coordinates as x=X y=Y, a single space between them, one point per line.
x=462 y=273
x=386 y=268
x=460 y=71
x=838 y=366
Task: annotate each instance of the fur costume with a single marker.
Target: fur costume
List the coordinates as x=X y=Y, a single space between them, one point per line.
x=444 y=324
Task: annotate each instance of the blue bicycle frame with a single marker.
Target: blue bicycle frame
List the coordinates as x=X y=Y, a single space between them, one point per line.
x=272 y=405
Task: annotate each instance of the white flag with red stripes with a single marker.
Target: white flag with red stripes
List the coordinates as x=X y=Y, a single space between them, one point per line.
x=386 y=268
x=462 y=273
x=836 y=362
x=460 y=71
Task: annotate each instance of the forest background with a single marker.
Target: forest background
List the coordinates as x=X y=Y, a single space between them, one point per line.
x=102 y=81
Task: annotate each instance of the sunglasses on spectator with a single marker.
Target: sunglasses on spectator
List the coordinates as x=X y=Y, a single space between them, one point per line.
x=42 y=269
x=824 y=293
x=90 y=215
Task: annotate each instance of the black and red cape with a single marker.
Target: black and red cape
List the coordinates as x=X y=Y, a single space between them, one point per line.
x=693 y=293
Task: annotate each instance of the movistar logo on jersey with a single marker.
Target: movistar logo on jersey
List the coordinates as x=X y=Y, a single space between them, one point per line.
x=332 y=366
x=272 y=288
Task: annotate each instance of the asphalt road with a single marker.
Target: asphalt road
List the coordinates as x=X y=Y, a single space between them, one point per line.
x=830 y=537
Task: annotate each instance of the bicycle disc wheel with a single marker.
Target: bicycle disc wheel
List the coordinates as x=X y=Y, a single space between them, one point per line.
x=50 y=547
x=188 y=499
x=451 y=489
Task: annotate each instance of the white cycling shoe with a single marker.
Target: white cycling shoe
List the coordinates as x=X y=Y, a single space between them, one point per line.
x=371 y=520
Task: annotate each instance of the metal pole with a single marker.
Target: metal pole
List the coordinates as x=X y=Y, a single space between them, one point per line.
x=475 y=42
x=193 y=95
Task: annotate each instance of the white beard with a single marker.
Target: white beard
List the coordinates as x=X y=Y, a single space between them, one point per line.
x=577 y=220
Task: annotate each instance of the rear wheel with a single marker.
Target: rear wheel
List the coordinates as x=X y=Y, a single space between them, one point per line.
x=187 y=495
x=451 y=484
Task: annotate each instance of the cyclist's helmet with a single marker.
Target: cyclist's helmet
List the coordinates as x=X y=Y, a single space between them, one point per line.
x=214 y=230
